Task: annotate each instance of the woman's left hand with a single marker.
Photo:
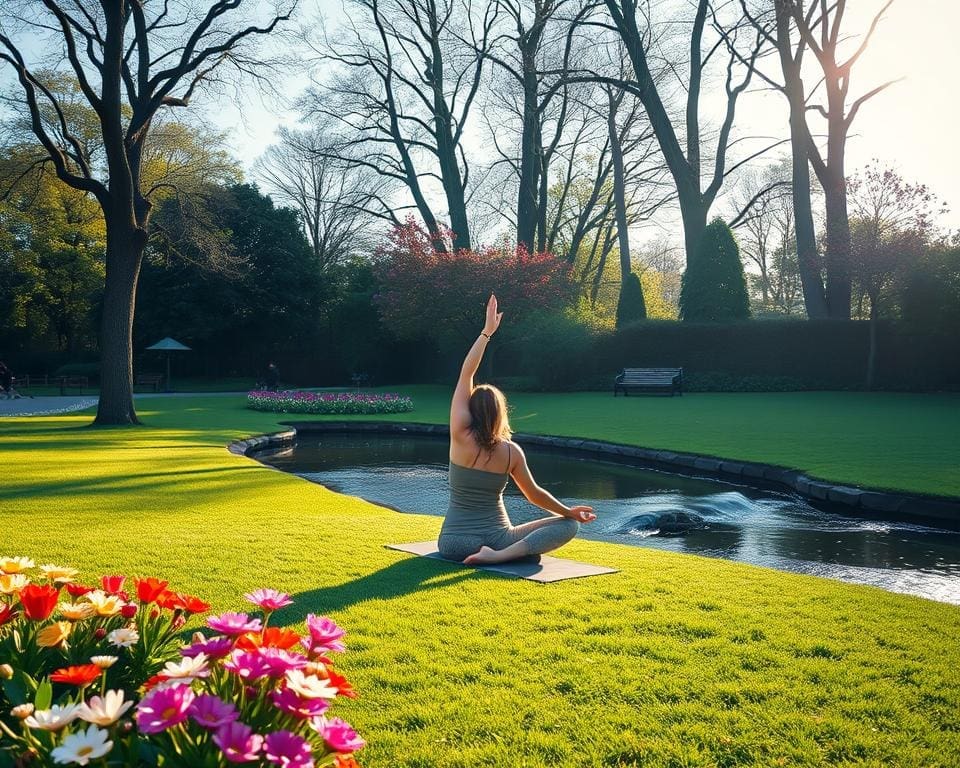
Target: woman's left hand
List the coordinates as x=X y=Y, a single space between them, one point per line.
x=582 y=514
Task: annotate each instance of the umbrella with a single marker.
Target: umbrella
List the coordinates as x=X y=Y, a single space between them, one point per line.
x=169 y=345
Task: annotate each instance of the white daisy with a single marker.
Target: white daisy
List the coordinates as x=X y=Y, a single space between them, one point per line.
x=104 y=662
x=82 y=747
x=123 y=637
x=53 y=719
x=187 y=669
x=106 y=710
x=309 y=686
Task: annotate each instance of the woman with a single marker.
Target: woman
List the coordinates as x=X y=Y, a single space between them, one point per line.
x=476 y=529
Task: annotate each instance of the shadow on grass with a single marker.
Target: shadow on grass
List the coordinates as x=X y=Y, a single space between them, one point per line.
x=405 y=577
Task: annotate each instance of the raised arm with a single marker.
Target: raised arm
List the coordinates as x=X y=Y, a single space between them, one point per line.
x=541 y=497
x=460 y=405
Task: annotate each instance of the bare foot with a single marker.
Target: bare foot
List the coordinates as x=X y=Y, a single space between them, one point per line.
x=484 y=555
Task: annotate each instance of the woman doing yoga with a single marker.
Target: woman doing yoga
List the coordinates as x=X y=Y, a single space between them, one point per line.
x=482 y=459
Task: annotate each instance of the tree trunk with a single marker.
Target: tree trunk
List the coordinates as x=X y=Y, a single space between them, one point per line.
x=694 y=215
x=838 y=244
x=872 y=354
x=808 y=260
x=530 y=150
x=619 y=190
x=124 y=255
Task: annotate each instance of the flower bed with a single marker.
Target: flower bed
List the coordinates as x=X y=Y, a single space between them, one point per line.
x=337 y=403
x=104 y=678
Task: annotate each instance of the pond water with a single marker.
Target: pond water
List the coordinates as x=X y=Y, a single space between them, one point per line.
x=634 y=506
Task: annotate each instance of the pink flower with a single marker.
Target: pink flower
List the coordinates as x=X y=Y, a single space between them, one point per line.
x=288 y=750
x=338 y=734
x=269 y=599
x=238 y=742
x=288 y=701
x=324 y=634
x=248 y=666
x=280 y=661
x=211 y=713
x=234 y=623
x=163 y=708
x=215 y=647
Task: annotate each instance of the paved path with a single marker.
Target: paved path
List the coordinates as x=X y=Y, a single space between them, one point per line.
x=43 y=405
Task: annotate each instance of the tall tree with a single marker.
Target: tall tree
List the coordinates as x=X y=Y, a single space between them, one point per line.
x=819 y=27
x=633 y=21
x=339 y=201
x=130 y=60
x=409 y=71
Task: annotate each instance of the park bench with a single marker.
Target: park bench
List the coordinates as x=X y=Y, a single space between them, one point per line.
x=71 y=382
x=149 y=380
x=664 y=380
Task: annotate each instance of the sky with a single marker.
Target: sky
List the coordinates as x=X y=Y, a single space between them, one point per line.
x=913 y=126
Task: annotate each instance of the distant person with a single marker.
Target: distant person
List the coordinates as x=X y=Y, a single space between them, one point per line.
x=483 y=458
x=272 y=377
x=6 y=382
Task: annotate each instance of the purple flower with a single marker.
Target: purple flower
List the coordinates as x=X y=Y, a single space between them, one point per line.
x=286 y=749
x=238 y=742
x=338 y=734
x=288 y=701
x=280 y=661
x=269 y=599
x=211 y=712
x=324 y=634
x=248 y=665
x=163 y=708
x=215 y=647
x=234 y=623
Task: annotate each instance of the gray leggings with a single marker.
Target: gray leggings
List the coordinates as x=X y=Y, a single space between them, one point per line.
x=541 y=536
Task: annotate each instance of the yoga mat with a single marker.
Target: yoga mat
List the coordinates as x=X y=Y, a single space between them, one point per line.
x=547 y=570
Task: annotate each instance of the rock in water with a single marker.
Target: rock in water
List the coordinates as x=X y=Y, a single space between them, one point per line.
x=678 y=523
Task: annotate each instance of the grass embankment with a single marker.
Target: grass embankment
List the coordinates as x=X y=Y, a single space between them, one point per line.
x=674 y=661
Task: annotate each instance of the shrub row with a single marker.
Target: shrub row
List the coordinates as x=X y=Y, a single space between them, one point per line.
x=744 y=356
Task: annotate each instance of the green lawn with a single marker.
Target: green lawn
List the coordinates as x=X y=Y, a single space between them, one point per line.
x=674 y=661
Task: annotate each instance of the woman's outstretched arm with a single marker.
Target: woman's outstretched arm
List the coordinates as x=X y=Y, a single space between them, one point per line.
x=541 y=497
x=460 y=405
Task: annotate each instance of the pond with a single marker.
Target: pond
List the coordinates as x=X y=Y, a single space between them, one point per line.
x=650 y=508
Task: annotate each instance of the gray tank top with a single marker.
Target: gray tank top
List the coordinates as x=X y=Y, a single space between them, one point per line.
x=476 y=501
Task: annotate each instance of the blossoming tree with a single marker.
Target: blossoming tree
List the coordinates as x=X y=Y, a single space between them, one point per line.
x=432 y=292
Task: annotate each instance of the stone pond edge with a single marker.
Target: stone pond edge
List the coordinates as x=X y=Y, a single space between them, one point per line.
x=940 y=509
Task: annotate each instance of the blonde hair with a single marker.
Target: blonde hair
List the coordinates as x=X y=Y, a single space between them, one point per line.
x=488 y=416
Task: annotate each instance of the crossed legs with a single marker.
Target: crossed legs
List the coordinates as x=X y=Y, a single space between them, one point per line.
x=534 y=538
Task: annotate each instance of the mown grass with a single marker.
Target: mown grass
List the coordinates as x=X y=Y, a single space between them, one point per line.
x=674 y=661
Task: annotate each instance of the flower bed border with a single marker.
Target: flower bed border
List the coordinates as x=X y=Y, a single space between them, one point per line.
x=350 y=399
x=942 y=510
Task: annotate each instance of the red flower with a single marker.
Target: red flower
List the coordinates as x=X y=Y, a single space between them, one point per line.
x=149 y=589
x=272 y=637
x=81 y=675
x=153 y=681
x=78 y=590
x=7 y=613
x=167 y=599
x=112 y=584
x=191 y=604
x=343 y=686
x=39 y=601
x=345 y=761
x=128 y=611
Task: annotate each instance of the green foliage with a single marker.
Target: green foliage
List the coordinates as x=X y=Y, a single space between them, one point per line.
x=550 y=352
x=690 y=660
x=631 y=306
x=930 y=298
x=714 y=287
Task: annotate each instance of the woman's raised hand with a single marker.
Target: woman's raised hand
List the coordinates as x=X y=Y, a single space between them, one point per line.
x=582 y=514
x=493 y=317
